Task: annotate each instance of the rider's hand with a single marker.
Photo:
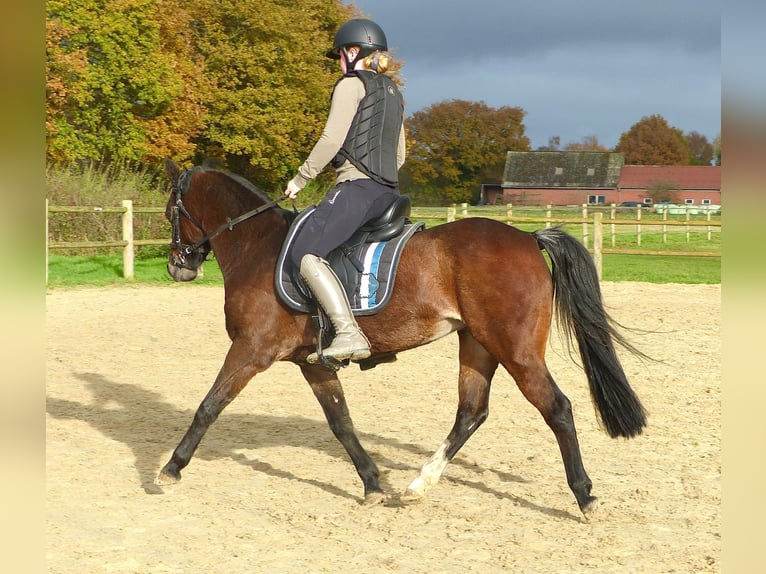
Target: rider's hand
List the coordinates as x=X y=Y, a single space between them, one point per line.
x=292 y=189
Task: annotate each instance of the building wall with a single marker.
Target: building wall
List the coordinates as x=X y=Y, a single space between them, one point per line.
x=578 y=196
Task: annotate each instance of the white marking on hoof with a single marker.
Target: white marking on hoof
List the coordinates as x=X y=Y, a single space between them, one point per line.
x=430 y=473
x=410 y=497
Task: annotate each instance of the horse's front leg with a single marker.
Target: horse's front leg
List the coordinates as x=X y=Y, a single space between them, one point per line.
x=329 y=392
x=238 y=368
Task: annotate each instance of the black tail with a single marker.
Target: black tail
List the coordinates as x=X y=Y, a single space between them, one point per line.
x=580 y=310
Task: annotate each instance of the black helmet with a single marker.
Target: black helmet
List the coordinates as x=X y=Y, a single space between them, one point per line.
x=359 y=32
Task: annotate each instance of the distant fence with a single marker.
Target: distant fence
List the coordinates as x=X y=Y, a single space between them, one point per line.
x=595 y=221
x=592 y=228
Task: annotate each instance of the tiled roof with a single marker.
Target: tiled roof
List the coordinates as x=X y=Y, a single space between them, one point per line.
x=562 y=169
x=680 y=177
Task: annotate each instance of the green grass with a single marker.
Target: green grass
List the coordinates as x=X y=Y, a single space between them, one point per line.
x=103 y=270
x=661 y=269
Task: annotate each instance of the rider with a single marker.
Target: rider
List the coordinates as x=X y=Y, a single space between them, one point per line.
x=364 y=140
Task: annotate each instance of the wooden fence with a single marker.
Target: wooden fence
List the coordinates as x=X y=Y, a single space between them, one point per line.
x=128 y=243
x=594 y=221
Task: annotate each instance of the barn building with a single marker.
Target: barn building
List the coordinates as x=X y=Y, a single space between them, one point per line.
x=575 y=178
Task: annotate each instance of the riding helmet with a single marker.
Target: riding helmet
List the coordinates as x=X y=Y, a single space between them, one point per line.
x=359 y=32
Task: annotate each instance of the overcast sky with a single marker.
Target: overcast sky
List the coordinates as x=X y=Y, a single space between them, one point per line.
x=577 y=67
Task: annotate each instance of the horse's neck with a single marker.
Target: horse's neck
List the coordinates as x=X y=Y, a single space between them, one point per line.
x=252 y=246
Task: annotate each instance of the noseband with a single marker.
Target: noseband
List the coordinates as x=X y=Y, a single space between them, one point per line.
x=180 y=250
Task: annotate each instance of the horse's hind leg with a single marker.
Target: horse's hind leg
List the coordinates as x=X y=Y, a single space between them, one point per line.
x=477 y=367
x=329 y=392
x=237 y=370
x=538 y=386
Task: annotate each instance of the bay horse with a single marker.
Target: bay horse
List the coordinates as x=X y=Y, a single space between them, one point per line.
x=481 y=278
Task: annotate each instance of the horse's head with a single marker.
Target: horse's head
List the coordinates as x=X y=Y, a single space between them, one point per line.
x=189 y=246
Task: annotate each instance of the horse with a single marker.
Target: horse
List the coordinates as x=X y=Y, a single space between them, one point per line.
x=485 y=280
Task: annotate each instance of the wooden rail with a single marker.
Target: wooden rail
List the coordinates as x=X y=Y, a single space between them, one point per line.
x=128 y=243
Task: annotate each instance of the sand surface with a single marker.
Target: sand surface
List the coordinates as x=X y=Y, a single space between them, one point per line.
x=271 y=490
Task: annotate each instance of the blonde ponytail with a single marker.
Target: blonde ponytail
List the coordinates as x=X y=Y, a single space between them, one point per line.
x=378 y=62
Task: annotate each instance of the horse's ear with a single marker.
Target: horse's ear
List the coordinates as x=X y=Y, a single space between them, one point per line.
x=172 y=170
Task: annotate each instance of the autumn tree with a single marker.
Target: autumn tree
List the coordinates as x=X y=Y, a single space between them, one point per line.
x=700 y=149
x=245 y=82
x=454 y=146
x=174 y=132
x=270 y=79
x=106 y=77
x=651 y=141
x=588 y=143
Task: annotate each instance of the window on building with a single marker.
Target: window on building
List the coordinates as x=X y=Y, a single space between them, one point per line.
x=591 y=171
x=596 y=199
x=559 y=170
x=706 y=202
x=689 y=201
x=647 y=201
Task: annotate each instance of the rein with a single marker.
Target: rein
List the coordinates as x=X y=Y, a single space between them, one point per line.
x=229 y=225
x=183 y=249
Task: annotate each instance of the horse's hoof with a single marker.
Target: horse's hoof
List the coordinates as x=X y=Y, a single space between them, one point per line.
x=373 y=498
x=166 y=479
x=410 y=497
x=590 y=508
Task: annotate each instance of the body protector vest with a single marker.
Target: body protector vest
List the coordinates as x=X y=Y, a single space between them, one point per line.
x=373 y=137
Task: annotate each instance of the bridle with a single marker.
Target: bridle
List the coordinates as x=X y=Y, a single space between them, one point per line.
x=180 y=250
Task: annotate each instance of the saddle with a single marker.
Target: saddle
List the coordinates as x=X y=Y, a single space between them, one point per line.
x=365 y=264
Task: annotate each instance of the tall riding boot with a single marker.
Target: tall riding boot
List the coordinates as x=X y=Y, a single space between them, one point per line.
x=349 y=341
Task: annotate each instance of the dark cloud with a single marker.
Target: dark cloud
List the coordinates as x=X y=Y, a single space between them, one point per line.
x=591 y=67
x=421 y=28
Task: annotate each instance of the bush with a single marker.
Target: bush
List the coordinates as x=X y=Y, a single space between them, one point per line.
x=94 y=185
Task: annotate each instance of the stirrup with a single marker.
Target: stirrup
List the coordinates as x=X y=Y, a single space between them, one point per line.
x=332 y=363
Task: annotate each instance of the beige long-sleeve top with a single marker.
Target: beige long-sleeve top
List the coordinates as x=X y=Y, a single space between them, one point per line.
x=345 y=100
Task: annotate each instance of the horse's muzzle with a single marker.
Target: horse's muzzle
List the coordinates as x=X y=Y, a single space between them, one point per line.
x=181 y=274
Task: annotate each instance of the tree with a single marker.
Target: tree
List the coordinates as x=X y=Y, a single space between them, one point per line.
x=664 y=191
x=554 y=144
x=271 y=81
x=588 y=143
x=717 y=150
x=651 y=141
x=700 y=149
x=454 y=146
x=244 y=81
x=106 y=77
x=174 y=132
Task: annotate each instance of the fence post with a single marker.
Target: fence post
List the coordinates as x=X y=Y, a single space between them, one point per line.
x=613 y=216
x=585 y=224
x=127 y=235
x=688 y=217
x=451 y=213
x=509 y=213
x=664 y=227
x=598 y=240
x=463 y=209
x=709 y=229
x=548 y=214
x=638 y=226
x=46 y=240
